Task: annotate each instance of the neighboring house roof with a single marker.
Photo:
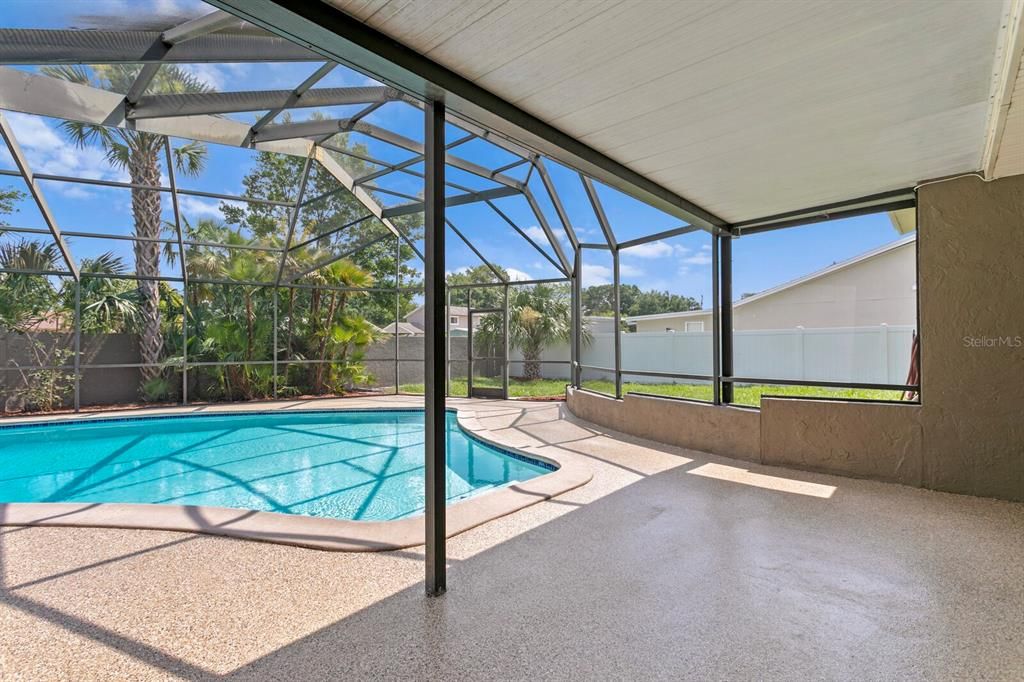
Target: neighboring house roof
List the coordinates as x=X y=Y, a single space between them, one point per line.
x=52 y=322
x=404 y=329
x=459 y=310
x=835 y=267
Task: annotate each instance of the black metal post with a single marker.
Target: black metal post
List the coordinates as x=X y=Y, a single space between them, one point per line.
x=716 y=327
x=725 y=292
x=78 y=345
x=448 y=343
x=469 y=341
x=617 y=320
x=275 y=342
x=398 y=311
x=576 y=347
x=434 y=369
x=504 y=326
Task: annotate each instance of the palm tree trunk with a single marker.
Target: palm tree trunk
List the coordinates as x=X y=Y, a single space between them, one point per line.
x=144 y=169
x=531 y=364
x=322 y=350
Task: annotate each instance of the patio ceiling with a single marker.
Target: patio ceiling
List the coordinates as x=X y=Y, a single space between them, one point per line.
x=746 y=109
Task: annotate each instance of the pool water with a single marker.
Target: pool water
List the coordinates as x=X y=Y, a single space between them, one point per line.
x=339 y=464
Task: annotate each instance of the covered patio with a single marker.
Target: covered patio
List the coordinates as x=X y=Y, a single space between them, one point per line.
x=670 y=563
x=264 y=208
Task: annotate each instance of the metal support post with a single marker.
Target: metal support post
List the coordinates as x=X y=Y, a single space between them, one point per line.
x=434 y=285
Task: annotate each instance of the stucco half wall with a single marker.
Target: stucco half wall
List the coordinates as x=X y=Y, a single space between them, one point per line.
x=966 y=436
x=859 y=439
x=729 y=431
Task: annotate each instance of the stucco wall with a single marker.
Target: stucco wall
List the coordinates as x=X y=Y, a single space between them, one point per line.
x=967 y=435
x=865 y=440
x=728 y=431
x=972 y=335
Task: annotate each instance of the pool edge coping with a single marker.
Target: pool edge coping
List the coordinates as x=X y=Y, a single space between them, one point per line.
x=308 y=531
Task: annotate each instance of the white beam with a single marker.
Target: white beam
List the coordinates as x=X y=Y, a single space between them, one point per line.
x=191 y=104
x=68 y=46
x=46 y=96
x=26 y=173
x=193 y=28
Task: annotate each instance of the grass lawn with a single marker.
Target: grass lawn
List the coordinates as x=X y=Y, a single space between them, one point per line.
x=744 y=395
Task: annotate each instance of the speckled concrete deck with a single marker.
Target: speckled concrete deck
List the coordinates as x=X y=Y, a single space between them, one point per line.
x=669 y=564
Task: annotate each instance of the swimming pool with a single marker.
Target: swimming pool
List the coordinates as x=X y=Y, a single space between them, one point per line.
x=340 y=464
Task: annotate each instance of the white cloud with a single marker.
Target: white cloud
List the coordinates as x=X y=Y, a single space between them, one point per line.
x=179 y=8
x=217 y=76
x=195 y=207
x=698 y=259
x=32 y=132
x=48 y=152
x=594 y=275
x=74 y=191
x=535 y=233
x=626 y=270
x=649 y=250
x=518 y=275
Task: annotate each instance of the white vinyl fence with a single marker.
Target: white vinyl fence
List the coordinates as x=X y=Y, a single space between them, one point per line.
x=878 y=355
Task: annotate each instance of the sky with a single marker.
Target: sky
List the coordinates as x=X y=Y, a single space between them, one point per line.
x=681 y=265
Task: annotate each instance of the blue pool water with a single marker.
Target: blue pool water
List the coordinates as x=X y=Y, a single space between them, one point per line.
x=338 y=464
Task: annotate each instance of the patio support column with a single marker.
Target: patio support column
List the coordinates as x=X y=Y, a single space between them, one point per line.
x=434 y=356
x=618 y=324
x=469 y=342
x=275 y=342
x=577 y=329
x=78 y=345
x=447 y=343
x=504 y=379
x=716 y=331
x=725 y=303
x=398 y=309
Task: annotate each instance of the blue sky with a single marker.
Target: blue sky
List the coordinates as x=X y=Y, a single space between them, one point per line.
x=681 y=265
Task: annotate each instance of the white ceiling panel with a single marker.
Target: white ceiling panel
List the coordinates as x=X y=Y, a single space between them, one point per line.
x=747 y=108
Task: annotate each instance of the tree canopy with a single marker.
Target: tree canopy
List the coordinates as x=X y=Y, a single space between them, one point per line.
x=599 y=300
x=483 y=297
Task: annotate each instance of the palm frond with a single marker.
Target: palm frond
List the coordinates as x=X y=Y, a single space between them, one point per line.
x=104 y=264
x=74 y=73
x=190 y=158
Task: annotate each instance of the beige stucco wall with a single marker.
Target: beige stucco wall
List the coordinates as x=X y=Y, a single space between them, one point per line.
x=879 y=290
x=966 y=436
x=864 y=440
x=728 y=431
x=972 y=295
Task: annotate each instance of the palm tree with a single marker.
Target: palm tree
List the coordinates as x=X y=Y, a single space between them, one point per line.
x=537 y=317
x=138 y=153
x=26 y=298
x=337 y=331
x=111 y=304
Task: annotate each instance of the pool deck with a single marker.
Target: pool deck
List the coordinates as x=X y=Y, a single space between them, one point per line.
x=668 y=564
